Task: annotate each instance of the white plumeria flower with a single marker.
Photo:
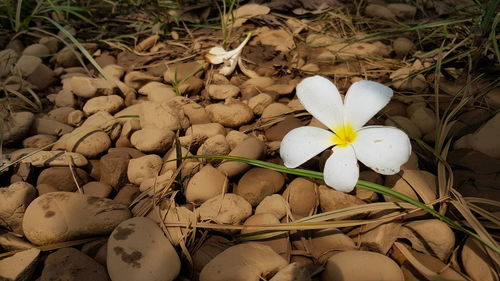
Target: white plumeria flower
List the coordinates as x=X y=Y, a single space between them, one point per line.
x=383 y=149
x=218 y=55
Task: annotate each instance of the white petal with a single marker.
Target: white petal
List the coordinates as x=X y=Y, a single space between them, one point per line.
x=363 y=100
x=341 y=169
x=302 y=144
x=218 y=55
x=322 y=99
x=382 y=148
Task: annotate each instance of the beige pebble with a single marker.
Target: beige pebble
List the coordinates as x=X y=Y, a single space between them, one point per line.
x=143 y=168
x=231 y=114
x=244 y=262
x=56 y=158
x=257 y=183
x=15 y=199
x=63 y=216
x=302 y=196
x=205 y=184
x=273 y=204
x=152 y=140
x=376 y=267
x=251 y=147
x=109 y=104
x=138 y=250
x=228 y=208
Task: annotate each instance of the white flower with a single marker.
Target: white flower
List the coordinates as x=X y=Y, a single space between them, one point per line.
x=383 y=149
x=218 y=55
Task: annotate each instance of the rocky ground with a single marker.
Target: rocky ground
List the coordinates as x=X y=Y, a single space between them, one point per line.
x=93 y=191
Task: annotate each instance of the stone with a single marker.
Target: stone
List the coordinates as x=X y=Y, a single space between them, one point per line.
x=62 y=216
x=417 y=184
x=88 y=141
x=234 y=138
x=60 y=114
x=137 y=79
x=197 y=134
x=56 y=158
x=476 y=261
x=162 y=116
x=75 y=118
x=301 y=195
x=87 y=87
x=97 y=189
x=275 y=110
x=205 y=184
x=424 y=118
x=251 y=147
x=431 y=236
x=404 y=124
x=111 y=104
x=331 y=199
x=39 y=141
x=157 y=92
x=127 y=194
x=259 y=82
x=182 y=71
x=402 y=46
x=222 y=91
x=50 y=127
x=228 y=208
x=493 y=98
x=138 y=250
x=209 y=249
x=71 y=264
x=273 y=204
x=402 y=10
x=20 y=266
x=113 y=169
x=143 y=168
x=216 y=145
x=280 y=243
x=37 y=50
x=259 y=102
x=292 y=272
x=190 y=166
x=376 y=267
x=63 y=179
x=485 y=138
x=13 y=242
x=114 y=71
x=152 y=140
x=174 y=214
x=379 y=11
x=15 y=199
x=257 y=183
x=378 y=237
x=16 y=127
x=196 y=113
x=231 y=114
x=323 y=243
x=28 y=64
x=244 y=262
x=278 y=131
x=50 y=42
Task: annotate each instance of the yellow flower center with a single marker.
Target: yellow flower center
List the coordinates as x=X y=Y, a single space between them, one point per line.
x=344 y=135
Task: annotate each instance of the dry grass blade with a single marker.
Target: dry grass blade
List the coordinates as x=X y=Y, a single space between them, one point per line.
x=54 y=246
x=428 y=273
x=464 y=210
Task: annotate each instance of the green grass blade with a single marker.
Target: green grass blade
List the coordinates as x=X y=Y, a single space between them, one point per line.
x=361 y=184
